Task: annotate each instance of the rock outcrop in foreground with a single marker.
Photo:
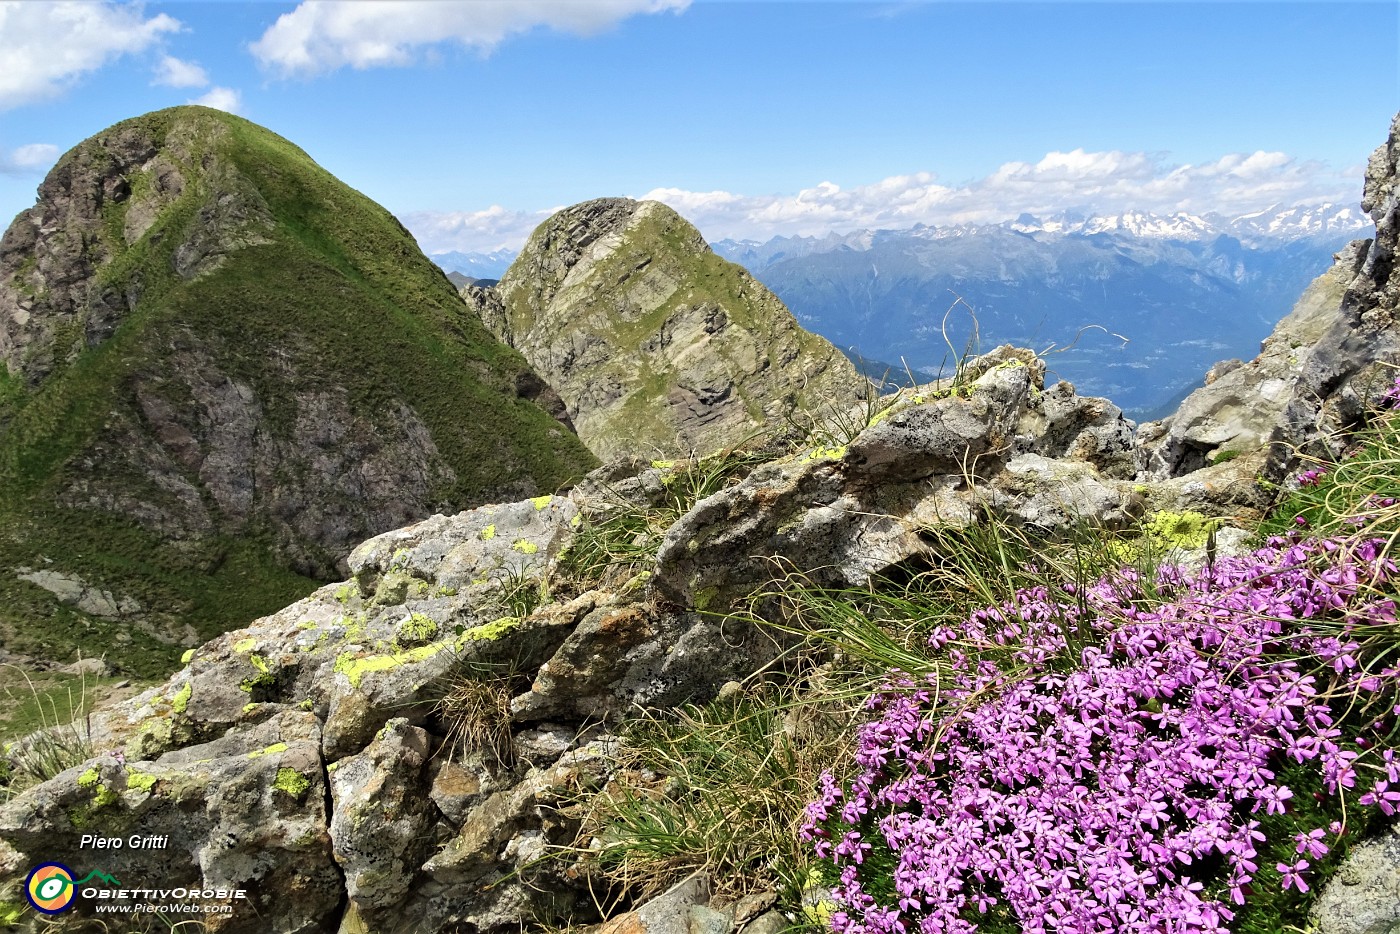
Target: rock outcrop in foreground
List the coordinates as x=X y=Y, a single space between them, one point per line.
x=312 y=754
x=658 y=346
x=218 y=362
x=411 y=750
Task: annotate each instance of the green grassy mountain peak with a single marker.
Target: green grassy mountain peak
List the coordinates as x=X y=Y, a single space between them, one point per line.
x=222 y=369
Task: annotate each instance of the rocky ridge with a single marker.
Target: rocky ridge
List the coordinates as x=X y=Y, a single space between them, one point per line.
x=656 y=345
x=1324 y=366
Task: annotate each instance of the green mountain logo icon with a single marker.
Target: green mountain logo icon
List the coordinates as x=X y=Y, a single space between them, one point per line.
x=100 y=876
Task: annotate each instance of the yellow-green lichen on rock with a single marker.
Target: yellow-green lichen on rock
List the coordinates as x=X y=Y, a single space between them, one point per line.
x=181 y=701
x=291 y=782
x=1184 y=530
x=265 y=677
x=153 y=736
x=356 y=667
x=10 y=912
x=140 y=781
x=272 y=750
x=826 y=454
x=416 y=629
x=492 y=630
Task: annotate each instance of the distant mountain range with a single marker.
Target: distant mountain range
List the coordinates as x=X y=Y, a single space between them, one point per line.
x=476 y=265
x=1162 y=296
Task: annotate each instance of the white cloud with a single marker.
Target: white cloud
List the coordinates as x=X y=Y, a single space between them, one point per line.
x=323 y=35
x=494 y=228
x=226 y=99
x=176 y=73
x=28 y=160
x=48 y=46
x=1079 y=181
x=1085 y=182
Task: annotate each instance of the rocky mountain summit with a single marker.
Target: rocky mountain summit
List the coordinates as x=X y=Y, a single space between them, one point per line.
x=220 y=369
x=656 y=345
x=421 y=748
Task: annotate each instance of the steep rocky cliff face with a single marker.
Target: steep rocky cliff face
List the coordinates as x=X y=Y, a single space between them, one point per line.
x=220 y=368
x=656 y=345
x=1318 y=373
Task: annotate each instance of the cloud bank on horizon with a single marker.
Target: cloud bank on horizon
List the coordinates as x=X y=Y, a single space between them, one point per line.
x=1083 y=182
x=323 y=35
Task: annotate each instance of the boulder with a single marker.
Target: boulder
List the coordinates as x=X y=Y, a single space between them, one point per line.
x=246 y=811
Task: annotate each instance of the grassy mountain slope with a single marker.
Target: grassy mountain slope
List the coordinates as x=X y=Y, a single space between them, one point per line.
x=223 y=369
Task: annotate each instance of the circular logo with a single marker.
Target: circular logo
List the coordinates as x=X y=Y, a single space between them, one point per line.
x=50 y=888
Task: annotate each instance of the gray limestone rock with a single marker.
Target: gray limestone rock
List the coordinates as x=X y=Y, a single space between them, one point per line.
x=379 y=831
x=246 y=811
x=941 y=454
x=1363 y=897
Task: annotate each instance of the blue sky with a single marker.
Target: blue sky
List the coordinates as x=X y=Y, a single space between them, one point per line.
x=472 y=120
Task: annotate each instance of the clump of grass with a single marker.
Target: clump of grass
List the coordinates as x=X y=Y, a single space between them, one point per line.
x=1357 y=495
x=474 y=709
x=620 y=538
x=718 y=787
x=62 y=738
x=521 y=592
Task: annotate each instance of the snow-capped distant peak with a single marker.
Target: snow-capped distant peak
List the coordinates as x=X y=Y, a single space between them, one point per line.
x=1280 y=222
x=1178 y=226
x=1275 y=223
